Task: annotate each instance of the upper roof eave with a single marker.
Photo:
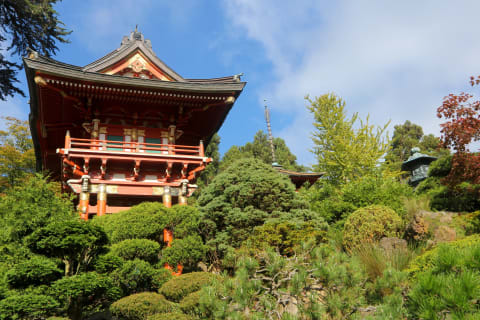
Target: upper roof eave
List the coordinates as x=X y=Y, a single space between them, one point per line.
x=124 y=51
x=69 y=71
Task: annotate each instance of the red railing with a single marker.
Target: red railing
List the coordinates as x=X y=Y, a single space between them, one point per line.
x=124 y=146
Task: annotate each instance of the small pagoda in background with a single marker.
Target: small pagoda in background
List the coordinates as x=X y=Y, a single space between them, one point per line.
x=297 y=178
x=125 y=128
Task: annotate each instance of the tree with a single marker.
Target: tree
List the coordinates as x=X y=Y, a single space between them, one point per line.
x=246 y=194
x=345 y=148
x=75 y=242
x=17 y=157
x=26 y=24
x=207 y=175
x=461 y=129
x=260 y=149
x=407 y=136
x=30 y=206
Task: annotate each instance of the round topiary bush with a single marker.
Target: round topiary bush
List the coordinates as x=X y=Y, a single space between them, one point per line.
x=138 y=275
x=178 y=287
x=131 y=249
x=370 y=224
x=139 y=306
x=170 y=316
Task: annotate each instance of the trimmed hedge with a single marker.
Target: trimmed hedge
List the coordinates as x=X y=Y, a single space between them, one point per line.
x=131 y=249
x=27 y=306
x=370 y=224
x=140 y=305
x=178 y=287
x=144 y=221
x=170 y=316
x=138 y=275
x=190 y=303
x=35 y=271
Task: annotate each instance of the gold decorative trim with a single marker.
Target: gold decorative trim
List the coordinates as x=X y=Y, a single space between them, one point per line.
x=157 y=191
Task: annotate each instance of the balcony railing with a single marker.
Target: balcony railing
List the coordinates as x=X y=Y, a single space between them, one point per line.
x=140 y=147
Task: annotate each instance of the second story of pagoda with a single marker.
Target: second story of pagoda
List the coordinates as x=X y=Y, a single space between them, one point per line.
x=127 y=121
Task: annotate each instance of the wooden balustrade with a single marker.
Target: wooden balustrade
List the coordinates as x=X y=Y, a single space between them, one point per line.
x=132 y=146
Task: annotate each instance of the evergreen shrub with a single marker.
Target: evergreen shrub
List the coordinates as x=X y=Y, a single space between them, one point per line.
x=170 y=316
x=35 y=271
x=138 y=275
x=190 y=303
x=141 y=305
x=187 y=251
x=144 y=221
x=178 y=287
x=27 y=306
x=107 y=263
x=131 y=249
x=370 y=224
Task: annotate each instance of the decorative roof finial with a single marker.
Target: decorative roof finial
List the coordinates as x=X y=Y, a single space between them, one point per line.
x=136 y=28
x=270 y=137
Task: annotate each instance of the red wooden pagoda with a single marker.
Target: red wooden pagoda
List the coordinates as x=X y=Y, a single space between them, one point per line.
x=126 y=128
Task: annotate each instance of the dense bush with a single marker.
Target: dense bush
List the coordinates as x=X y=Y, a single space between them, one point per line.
x=449 y=284
x=370 y=224
x=242 y=197
x=86 y=293
x=138 y=276
x=131 y=249
x=27 y=306
x=144 y=221
x=336 y=203
x=30 y=206
x=284 y=235
x=178 y=287
x=187 y=251
x=35 y=271
x=190 y=303
x=141 y=305
x=107 y=263
x=170 y=316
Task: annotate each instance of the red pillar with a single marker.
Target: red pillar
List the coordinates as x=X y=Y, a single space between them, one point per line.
x=102 y=200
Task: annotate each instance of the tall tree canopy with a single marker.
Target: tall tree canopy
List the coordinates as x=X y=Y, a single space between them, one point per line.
x=345 y=148
x=407 y=136
x=260 y=149
x=17 y=156
x=26 y=24
x=461 y=129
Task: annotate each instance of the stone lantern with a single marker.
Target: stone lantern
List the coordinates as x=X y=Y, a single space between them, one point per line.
x=418 y=164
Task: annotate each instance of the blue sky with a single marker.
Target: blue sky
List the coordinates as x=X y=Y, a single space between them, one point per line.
x=394 y=60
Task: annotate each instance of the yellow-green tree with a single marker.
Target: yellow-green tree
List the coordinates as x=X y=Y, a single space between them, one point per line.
x=346 y=148
x=17 y=156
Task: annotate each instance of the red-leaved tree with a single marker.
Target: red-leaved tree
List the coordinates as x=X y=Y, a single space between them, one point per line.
x=461 y=129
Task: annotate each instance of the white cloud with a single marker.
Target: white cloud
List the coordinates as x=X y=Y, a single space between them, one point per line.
x=394 y=60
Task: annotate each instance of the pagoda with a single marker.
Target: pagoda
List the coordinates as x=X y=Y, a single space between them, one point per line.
x=125 y=128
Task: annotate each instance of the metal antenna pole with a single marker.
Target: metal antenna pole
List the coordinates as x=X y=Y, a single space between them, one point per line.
x=270 y=137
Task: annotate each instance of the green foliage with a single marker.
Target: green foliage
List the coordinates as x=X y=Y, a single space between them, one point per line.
x=170 y=316
x=27 y=306
x=35 y=271
x=335 y=203
x=370 y=224
x=190 y=304
x=187 y=251
x=85 y=293
x=144 y=221
x=285 y=236
x=178 y=287
x=17 y=157
x=141 y=305
x=75 y=242
x=131 y=249
x=240 y=198
x=30 y=206
x=345 y=149
x=184 y=220
x=107 y=263
x=260 y=149
x=26 y=24
x=207 y=175
x=138 y=276
x=450 y=283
